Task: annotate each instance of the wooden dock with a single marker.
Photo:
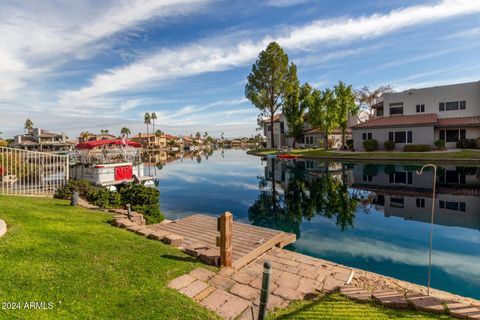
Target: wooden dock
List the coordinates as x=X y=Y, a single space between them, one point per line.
x=199 y=232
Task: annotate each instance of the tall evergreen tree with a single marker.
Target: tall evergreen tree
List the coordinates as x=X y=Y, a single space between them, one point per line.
x=268 y=83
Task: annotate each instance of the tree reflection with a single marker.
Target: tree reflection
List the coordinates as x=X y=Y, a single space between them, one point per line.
x=304 y=197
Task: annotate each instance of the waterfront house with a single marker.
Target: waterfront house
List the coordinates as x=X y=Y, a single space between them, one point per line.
x=96 y=137
x=42 y=140
x=422 y=116
x=312 y=137
x=151 y=140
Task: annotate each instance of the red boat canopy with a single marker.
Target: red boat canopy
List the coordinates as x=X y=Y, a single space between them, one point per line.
x=99 y=143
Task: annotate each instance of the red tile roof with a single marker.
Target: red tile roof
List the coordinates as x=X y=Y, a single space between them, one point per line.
x=459 y=122
x=275 y=119
x=428 y=119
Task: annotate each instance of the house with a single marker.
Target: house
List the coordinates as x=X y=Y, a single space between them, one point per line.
x=42 y=140
x=151 y=140
x=422 y=116
x=312 y=137
x=96 y=137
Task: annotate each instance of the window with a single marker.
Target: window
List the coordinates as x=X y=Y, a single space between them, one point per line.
x=453 y=135
x=367 y=136
x=390 y=136
x=453 y=205
x=367 y=178
x=269 y=128
x=441 y=204
x=401 y=177
x=379 y=112
x=420 y=203
x=420 y=108
x=396 y=110
x=282 y=127
x=396 y=202
x=451 y=105
x=400 y=137
x=409 y=136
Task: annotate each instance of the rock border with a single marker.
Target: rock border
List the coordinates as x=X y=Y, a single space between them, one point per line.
x=3 y=228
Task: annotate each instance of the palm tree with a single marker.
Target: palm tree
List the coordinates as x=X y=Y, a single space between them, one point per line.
x=104 y=131
x=125 y=132
x=159 y=133
x=28 y=125
x=153 y=116
x=85 y=135
x=147 y=119
x=198 y=135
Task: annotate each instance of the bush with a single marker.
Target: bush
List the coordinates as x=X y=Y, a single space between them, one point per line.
x=389 y=145
x=417 y=148
x=389 y=169
x=370 y=145
x=439 y=144
x=82 y=186
x=370 y=170
x=104 y=198
x=143 y=200
x=349 y=143
x=467 y=144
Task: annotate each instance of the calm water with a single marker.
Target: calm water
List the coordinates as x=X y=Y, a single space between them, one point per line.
x=373 y=217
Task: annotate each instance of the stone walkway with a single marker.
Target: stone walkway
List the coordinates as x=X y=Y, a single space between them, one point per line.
x=235 y=294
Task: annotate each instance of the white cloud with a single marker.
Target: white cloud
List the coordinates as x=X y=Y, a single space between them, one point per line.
x=212 y=54
x=284 y=3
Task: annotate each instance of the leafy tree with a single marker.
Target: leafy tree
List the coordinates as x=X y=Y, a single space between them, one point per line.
x=28 y=125
x=296 y=103
x=125 y=132
x=104 y=131
x=85 y=135
x=268 y=83
x=158 y=133
x=345 y=106
x=367 y=98
x=323 y=112
x=147 y=119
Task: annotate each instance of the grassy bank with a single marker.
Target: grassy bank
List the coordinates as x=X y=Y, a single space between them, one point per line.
x=73 y=258
x=472 y=155
x=336 y=306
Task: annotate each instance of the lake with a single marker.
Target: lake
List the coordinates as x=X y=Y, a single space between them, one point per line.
x=369 y=216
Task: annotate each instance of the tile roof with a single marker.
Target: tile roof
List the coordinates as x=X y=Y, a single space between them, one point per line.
x=460 y=121
x=428 y=119
x=275 y=119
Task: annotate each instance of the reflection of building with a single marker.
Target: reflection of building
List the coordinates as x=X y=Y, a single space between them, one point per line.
x=400 y=192
x=39 y=139
x=312 y=137
x=422 y=116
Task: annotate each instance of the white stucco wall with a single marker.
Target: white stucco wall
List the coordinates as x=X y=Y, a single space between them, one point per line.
x=421 y=135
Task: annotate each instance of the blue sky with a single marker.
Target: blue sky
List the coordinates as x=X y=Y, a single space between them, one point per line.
x=89 y=65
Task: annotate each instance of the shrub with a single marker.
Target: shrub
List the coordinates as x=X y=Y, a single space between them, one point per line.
x=439 y=144
x=389 y=145
x=389 y=169
x=370 y=145
x=467 y=144
x=349 y=143
x=417 y=148
x=143 y=200
x=82 y=186
x=104 y=198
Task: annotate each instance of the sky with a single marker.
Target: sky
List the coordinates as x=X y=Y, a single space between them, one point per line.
x=74 y=66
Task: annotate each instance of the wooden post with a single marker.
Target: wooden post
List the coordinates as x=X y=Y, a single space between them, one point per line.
x=224 y=241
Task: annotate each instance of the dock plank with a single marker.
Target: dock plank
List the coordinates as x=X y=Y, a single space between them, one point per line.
x=249 y=241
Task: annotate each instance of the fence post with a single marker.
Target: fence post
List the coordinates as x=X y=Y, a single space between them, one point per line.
x=224 y=241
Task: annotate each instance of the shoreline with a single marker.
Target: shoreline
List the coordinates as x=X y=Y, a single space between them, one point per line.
x=350 y=157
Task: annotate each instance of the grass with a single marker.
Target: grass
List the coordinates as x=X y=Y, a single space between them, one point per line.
x=381 y=155
x=336 y=306
x=88 y=269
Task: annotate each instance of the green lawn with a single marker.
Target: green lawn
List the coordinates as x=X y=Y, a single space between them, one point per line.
x=385 y=155
x=88 y=269
x=336 y=306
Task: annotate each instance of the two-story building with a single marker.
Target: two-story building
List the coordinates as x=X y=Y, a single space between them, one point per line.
x=150 y=140
x=42 y=140
x=422 y=116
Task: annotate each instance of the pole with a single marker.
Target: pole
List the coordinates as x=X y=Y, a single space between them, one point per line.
x=267 y=271
x=431 y=222
x=224 y=241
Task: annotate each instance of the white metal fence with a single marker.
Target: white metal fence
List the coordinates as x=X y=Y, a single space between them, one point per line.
x=31 y=173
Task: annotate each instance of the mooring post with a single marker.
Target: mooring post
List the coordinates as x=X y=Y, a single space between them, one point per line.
x=224 y=241
x=267 y=271
x=74 y=199
x=129 y=212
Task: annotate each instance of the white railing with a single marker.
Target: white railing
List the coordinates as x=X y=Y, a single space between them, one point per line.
x=31 y=173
